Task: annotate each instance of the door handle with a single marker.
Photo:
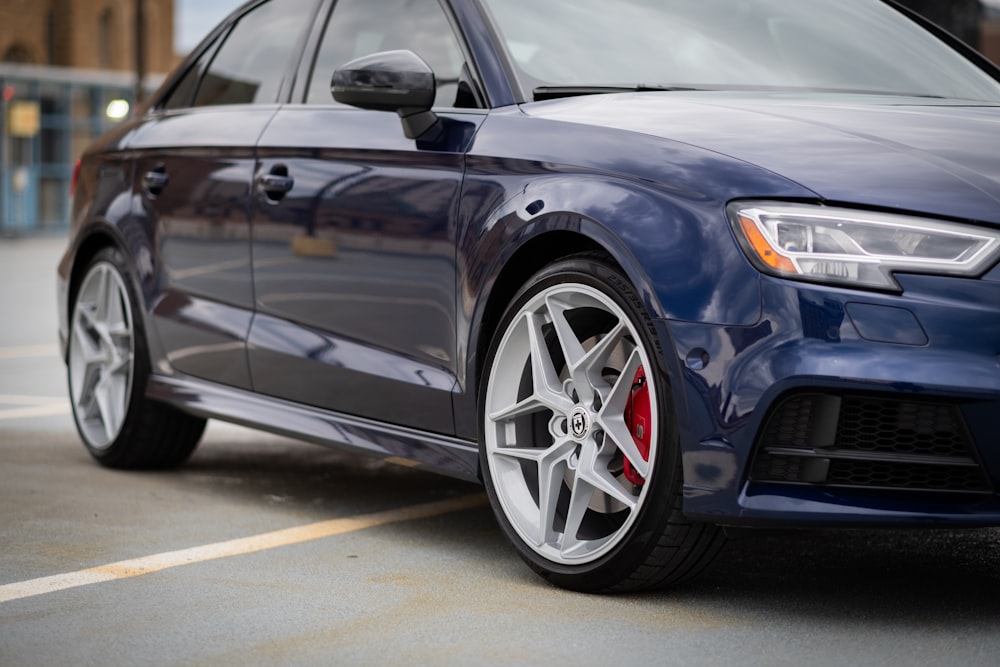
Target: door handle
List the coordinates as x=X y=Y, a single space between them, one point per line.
x=155 y=180
x=275 y=184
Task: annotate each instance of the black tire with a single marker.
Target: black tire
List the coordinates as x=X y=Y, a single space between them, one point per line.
x=560 y=426
x=107 y=370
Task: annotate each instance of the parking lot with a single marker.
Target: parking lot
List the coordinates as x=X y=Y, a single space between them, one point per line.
x=263 y=550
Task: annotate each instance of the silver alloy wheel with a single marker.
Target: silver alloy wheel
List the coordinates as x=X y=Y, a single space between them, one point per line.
x=101 y=355
x=556 y=438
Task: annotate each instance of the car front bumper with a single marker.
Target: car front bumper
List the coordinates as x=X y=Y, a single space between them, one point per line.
x=845 y=407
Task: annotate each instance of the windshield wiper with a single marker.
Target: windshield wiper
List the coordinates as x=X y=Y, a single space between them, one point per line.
x=555 y=92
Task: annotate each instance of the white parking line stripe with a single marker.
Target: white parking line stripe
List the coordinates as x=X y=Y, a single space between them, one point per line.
x=29 y=351
x=35 y=411
x=148 y=564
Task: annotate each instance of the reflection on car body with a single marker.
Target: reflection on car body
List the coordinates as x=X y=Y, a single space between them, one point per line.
x=735 y=267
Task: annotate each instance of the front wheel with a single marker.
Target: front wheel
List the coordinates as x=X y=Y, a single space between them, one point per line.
x=579 y=442
x=108 y=365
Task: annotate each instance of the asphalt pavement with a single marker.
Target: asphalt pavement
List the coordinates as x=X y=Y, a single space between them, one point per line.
x=264 y=550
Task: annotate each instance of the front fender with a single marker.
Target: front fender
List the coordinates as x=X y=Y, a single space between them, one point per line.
x=679 y=254
x=661 y=244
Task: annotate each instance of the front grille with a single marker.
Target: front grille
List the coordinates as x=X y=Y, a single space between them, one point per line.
x=875 y=425
x=869 y=442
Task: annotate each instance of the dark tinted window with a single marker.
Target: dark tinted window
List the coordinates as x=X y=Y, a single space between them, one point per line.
x=251 y=64
x=183 y=93
x=362 y=27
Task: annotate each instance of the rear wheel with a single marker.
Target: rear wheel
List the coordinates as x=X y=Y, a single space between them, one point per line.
x=579 y=444
x=108 y=365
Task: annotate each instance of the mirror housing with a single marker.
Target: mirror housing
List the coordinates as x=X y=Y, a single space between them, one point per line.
x=397 y=81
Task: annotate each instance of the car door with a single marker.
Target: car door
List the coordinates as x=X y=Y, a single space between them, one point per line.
x=194 y=168
x=354 y=237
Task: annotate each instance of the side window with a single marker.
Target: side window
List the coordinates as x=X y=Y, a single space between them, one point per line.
x=250 y=65
x=183 y=93
x=362 y=27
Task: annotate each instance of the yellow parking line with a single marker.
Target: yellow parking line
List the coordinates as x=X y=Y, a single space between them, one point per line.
x=29 y=351
x=148 y=564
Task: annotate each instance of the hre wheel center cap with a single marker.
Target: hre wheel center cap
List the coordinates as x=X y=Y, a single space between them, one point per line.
x=579 y=423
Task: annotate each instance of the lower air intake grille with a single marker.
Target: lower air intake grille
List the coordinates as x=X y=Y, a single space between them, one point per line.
x=868 y=442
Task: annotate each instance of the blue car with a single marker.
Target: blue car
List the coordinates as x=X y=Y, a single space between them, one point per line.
x=647 y=269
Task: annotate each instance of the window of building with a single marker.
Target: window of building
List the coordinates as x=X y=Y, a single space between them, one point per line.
x=51 y=53
x=18 y=53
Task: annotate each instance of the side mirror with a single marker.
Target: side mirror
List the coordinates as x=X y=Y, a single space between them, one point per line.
x=390 y=81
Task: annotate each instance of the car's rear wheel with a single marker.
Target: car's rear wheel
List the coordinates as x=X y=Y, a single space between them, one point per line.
x=108 y=365
x=579 y=443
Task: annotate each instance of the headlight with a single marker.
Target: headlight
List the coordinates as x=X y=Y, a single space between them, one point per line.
x=859 y=248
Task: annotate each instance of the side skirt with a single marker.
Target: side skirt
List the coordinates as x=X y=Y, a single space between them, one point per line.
x=437 y=453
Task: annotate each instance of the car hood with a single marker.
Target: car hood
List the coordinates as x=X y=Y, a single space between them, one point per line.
x=931 y=156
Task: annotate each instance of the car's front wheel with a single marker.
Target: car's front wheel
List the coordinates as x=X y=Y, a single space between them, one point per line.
x=579 y=443
x=108 y=365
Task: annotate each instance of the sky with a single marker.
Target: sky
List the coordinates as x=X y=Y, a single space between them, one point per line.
x=193 y=19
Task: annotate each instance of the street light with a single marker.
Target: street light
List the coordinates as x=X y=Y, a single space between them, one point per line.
x=117 y=109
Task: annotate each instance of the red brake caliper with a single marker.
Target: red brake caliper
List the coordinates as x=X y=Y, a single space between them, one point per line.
x=637 y=418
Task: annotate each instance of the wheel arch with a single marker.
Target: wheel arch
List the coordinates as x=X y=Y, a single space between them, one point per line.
x=126 y=236
x=674 y=245
x=86 y=248
x=553 y=238
x=517 y=269
x=655 y=236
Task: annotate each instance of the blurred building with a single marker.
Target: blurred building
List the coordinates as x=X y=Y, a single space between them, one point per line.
x=62 y=64
x=89 y=34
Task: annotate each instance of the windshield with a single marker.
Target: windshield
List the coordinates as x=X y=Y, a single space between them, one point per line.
x=850 y=45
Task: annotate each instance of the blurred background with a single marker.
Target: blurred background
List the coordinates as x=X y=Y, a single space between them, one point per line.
x=72 y=69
